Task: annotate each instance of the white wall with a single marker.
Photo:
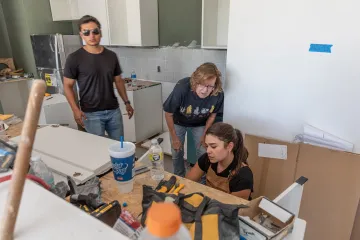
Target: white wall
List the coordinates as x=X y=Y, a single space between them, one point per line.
x=275 y=85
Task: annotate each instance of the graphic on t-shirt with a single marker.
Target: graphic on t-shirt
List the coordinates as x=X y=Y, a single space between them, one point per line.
x=182 y=109
x=196 y=112
x=204 y=110
x=189 y=110
x=212 y=108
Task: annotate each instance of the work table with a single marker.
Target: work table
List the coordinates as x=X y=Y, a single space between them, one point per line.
x=134 y=199
x=110 y=191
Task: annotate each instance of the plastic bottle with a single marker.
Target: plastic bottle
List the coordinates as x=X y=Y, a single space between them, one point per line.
x=2 y=128
x=133 y=78
x=156 y=157
x=39 y=169
x=163 y=221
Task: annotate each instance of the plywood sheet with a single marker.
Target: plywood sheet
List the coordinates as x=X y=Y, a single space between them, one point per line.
x=331 y=196
x=271 y=176
x=64 y=169
x=75 y=147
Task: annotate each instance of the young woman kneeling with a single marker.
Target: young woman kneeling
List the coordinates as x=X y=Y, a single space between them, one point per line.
x=225 y=163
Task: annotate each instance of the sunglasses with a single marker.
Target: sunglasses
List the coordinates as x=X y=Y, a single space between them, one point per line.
x=94 y=31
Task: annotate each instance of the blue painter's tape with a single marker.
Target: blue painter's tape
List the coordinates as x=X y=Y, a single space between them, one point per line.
x=325 y=48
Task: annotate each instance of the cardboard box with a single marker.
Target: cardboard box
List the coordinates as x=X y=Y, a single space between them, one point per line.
x=331 y=196
x=250 y=229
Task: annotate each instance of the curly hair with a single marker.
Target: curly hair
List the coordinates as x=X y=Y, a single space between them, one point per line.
x=204 y=72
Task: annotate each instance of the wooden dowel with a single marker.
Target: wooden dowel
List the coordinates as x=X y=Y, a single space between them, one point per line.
x=22 y=160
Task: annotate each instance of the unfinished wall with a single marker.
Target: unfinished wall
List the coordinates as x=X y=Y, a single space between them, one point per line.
x=25 y=17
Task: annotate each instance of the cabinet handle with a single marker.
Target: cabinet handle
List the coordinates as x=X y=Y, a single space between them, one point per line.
x=125 y=114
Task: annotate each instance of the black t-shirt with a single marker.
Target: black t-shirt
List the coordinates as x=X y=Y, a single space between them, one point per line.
x=242 y=180
x=188 y=108
x=95 y=78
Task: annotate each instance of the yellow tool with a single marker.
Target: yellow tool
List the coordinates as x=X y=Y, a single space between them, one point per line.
x=5 y=117
x=168 y=185
x=178 y=189
x=47 y=94
x=173 y=188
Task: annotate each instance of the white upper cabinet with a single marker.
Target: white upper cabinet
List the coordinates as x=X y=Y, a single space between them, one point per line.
x=63 y=10
x=215 y=23
x=124 y=22
x=133 y=22
x=97 y=9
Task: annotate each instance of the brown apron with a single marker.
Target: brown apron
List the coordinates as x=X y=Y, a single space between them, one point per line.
x=217 y=182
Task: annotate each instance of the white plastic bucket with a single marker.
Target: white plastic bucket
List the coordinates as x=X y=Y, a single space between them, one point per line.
x=123 y=161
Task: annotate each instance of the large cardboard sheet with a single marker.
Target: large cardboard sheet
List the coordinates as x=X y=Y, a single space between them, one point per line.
x=331 y=196
x=271 y=176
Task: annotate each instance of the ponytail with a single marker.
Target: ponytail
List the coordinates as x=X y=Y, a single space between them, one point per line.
x=241 y=154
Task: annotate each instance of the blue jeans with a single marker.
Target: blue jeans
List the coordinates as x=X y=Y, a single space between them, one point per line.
x=108 y=120
x=178 y=156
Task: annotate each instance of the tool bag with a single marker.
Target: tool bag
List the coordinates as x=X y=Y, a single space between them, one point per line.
x=205 y=218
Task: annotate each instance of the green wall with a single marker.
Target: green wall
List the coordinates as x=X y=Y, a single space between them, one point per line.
x=179 y=21
x=5 y=48
x=25 y=17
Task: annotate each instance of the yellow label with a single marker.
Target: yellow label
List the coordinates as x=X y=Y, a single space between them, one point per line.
x=154 y=157
x=48 y=79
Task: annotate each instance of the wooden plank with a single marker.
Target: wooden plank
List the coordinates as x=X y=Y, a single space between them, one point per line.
x=134 y=199
x=14 y=130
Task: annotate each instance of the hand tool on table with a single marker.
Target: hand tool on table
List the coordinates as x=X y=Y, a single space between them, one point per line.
x=88 y=202
x=105 y=212
x=167 y=185
x=108 y=213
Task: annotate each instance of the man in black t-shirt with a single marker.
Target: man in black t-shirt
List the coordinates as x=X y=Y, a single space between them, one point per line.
x=193 y=104
x=95 y=69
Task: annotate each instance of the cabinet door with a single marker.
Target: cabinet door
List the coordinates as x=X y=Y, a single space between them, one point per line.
x=118 y=24
x=215 y=22
x=60 y=10
x=74 y=9
x=97 y=9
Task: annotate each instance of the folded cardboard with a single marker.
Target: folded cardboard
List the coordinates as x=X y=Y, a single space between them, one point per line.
x=271 y=176
x=331 y=197
x=253 y=224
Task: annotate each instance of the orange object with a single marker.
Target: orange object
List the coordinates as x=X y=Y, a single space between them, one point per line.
x=47 y=94
x=163 y=219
